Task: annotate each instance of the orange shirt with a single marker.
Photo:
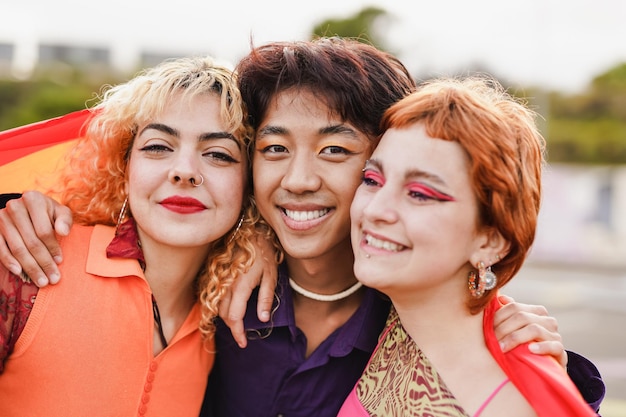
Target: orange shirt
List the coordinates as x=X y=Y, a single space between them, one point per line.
x=86 y=349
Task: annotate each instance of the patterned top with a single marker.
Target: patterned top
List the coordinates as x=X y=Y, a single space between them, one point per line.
x=401 y=381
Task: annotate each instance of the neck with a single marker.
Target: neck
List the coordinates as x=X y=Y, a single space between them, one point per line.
x=434 y=323
x=327 y=274
x=172 y=273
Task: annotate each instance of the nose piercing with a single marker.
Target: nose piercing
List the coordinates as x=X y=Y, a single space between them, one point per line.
x=193 y=181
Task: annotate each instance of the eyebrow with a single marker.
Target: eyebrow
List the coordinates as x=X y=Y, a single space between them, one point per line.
x=326 y=130
x=412 y=173
x=203 y=137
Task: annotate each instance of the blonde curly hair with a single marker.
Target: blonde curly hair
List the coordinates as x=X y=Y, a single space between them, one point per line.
x=94 y=176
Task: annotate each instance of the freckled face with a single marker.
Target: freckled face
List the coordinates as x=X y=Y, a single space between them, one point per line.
x=414 y=217
x=307 y=166
x=170 y=155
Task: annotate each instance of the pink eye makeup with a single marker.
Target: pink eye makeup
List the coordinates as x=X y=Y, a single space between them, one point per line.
x=422 y=191
x=371 y=177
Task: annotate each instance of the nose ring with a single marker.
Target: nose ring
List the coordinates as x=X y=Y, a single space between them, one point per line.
x=193 y=181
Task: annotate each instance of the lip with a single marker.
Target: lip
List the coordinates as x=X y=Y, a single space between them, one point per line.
x=183 y=205
x=304 y=216
x=388 y=246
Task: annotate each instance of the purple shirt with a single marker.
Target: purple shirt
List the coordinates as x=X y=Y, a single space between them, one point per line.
x=272 y=377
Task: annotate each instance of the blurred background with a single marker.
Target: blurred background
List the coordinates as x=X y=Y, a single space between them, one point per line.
x=566 y=57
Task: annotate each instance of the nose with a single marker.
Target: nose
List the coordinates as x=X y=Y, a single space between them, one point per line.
x=382 y=206
x=301 y=175
x=185 y=171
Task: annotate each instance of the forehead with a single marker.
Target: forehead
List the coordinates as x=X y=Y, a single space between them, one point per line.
x=302 y=101
x=300 y=114
x=411 y=149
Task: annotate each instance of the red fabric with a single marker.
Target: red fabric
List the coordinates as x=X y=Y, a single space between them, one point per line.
x=540 y=379
x=24 y=140
x=16 y=303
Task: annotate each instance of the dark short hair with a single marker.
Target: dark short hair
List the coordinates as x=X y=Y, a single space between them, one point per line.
x=356 y=80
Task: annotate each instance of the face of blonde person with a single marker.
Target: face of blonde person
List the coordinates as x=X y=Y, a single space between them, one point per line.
x=307 y=165
x=186 y=142
x=414 y=217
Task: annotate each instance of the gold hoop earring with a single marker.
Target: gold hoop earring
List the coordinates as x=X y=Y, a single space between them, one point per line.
x=485 y=280
x=236 y=229
x=121 y=216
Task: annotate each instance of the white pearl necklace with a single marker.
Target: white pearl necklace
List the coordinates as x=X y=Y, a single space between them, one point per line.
x=324 y=297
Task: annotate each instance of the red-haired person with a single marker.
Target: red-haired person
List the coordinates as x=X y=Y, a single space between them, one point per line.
x=444 y=217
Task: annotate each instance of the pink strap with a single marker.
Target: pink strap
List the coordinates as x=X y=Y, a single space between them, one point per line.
x=493 y=394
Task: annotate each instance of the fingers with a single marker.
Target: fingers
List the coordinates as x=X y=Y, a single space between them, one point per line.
x=21 y=240
x=551 y=348
x=233 y=308
x=265 y=299
x=31 y=236
x=6 y=258
x=517 y=323
x=234 y=323
x=514 y=315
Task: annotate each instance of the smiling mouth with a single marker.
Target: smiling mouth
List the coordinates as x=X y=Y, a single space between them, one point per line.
x=303 y=216
x=382 y=244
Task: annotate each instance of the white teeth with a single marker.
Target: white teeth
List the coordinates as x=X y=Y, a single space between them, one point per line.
x=301 y=216
x=382 y=244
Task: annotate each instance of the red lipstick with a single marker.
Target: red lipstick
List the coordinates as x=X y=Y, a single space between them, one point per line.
x=183 y=205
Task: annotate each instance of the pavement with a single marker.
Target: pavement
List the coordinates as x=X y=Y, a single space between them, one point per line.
x=589 y=303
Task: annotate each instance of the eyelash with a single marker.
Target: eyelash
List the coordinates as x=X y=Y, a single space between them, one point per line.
x=274 y=149
x=222 y=156
x=329 y=150
x=339 y=150
x=157 y=149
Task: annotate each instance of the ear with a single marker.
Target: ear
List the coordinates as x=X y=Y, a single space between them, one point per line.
x=491 y=246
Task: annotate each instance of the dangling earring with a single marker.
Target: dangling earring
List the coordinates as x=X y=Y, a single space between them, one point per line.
x=236 y=229
x=490 y=279
x=481 y=282
x=121 y=216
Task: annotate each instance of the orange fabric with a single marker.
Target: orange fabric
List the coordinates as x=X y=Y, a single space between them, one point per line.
x=540 y=379
x=88 y=341
x=30 y=155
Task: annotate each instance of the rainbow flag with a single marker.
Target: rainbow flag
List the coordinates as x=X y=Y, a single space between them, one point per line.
x=31 y=155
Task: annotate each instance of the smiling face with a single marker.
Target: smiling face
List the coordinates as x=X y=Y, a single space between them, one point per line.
x=171 y=154
x=415 y=214
x=307 y=165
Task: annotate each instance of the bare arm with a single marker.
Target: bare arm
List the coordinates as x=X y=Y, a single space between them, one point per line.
x=28 y=236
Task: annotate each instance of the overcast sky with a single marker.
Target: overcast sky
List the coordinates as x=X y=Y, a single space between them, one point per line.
x=558 y=44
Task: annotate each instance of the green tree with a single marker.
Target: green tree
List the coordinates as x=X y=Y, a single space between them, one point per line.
x=363 y=25
x=590 y=128
x=51 y=93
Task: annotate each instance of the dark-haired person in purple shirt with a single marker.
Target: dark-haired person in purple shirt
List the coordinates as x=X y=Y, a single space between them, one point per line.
x=316 y=108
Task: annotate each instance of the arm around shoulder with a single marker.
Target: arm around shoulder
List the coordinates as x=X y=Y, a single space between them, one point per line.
x=587 y=379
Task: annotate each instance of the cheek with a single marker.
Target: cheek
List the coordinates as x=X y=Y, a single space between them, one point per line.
x=359 y=203
x=265 y=180
x=232 y=188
